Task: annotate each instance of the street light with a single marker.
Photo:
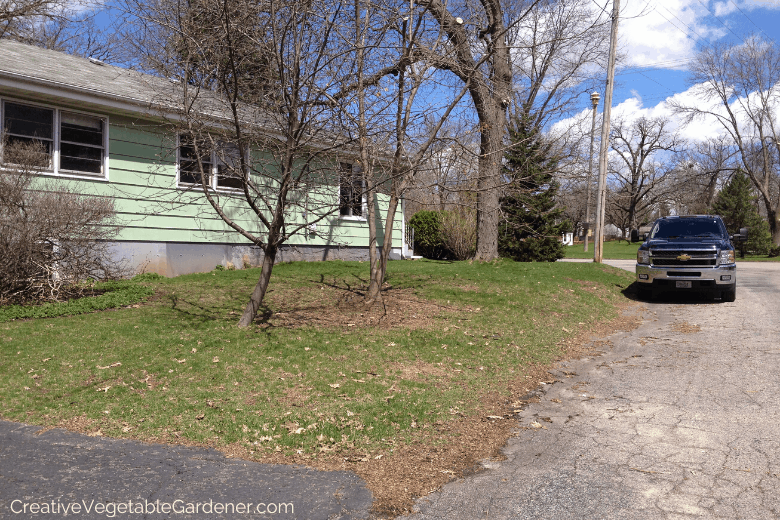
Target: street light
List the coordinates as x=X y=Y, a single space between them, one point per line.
x=594 y=99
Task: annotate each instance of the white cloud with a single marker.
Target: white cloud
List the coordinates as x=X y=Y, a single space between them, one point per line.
x=665 y=33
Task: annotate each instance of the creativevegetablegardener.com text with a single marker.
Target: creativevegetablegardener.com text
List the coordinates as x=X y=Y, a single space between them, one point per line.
x=145 y=507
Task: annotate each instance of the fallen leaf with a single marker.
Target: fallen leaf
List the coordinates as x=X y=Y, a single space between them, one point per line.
x=215 y=359
x=494 y=417
x=334 y=385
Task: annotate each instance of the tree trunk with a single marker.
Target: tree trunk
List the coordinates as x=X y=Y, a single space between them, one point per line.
x=376 y=277
x=774 y=225
x=262 y=284
x=378 y=274
x=491 y=154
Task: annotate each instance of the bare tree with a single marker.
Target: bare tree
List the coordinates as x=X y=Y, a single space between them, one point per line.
x=259 y=138
x=560 y=50
x=477 y=50
x=742 y=85
x=17 y=17
x=639 y=171
x=50 y=237
x=77 y=32
x=700 y=173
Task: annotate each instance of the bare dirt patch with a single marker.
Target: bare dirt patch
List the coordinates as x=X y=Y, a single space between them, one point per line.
x=345 y=308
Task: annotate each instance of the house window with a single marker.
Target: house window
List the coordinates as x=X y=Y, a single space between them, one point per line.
x=62 y=142
x=229 y=174
x=222 y=167
x=28 y=135
x=350 y=191
x=81 y=143
x=189 y=169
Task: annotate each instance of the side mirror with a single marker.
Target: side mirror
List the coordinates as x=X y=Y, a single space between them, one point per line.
x=742 y=236
x=645 y=237
x=634 y=235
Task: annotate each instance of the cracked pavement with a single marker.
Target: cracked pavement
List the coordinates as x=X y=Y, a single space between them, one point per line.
x=676 y=419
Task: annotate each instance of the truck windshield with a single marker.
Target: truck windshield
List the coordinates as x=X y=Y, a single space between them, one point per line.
x=686 y=228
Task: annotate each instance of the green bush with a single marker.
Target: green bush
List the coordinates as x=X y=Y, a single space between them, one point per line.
x=115 y=294
x=428 y=239
x=536 y=249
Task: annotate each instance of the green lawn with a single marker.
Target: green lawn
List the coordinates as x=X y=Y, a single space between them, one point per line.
x=320 y=373
x=613 y=250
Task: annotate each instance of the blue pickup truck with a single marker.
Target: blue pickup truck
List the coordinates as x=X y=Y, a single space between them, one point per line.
x=688 y=253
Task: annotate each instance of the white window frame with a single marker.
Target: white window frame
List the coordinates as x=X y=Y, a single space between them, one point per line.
x=54 y=166
x=214 y=161
x=363 y=205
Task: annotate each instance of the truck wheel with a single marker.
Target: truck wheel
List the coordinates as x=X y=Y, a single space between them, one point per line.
x=729 y=295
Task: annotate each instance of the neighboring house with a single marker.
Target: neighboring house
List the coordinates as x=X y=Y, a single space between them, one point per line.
x=102 y=127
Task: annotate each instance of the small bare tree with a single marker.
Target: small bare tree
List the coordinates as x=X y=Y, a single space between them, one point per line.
x=261 y=137
x=742 y=85
x=645 y=150
x=50 y=237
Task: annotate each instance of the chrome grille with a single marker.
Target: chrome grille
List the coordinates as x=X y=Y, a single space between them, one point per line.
x=705 y=258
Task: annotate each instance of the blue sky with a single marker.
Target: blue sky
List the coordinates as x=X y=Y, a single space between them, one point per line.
x=659 y=38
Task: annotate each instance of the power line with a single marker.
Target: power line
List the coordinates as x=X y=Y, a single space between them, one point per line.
x=721 y=21
x=751 y=21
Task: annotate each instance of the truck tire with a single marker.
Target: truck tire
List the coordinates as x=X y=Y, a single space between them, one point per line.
x=729 y=295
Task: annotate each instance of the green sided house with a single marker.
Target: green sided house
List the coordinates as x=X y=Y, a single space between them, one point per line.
x=105 y=133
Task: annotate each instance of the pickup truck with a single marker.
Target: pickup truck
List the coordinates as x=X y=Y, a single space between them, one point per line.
x=688 y=253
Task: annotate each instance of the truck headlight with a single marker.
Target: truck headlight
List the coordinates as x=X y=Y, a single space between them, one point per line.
x=643 y=256
x=727 y=256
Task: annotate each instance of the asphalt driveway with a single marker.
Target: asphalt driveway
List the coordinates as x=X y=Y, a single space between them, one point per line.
x=677 y=419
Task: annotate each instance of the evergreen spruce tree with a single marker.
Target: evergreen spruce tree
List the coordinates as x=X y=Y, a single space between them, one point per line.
x=531 y=225
x=737 y=205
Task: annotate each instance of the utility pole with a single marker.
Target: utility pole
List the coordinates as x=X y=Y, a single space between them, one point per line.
x=598 y=255
x=594 y=99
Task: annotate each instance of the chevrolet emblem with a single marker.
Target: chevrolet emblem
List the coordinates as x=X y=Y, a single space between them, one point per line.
x=684 y=258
